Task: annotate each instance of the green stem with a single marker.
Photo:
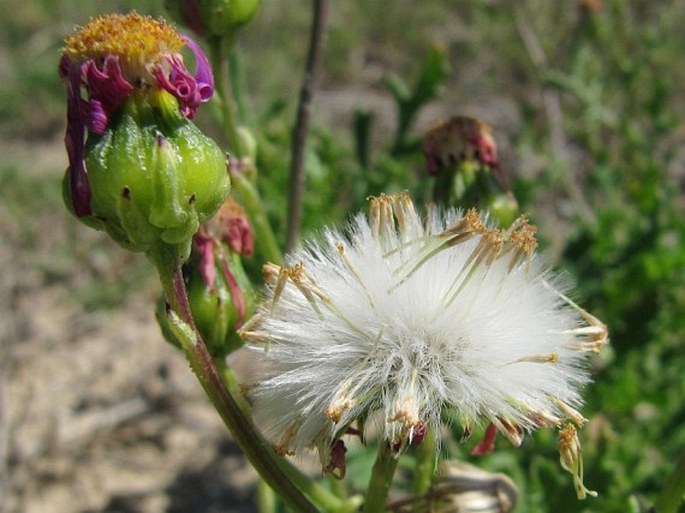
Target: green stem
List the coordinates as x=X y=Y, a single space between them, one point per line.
x=319 y=494
x=338 y=487
x=250 y=199
x=671 y=497
x=324 y=498
x=266 y=498
x=238 y=85
x=256 y=449
x=220 y=49
x=381 y=479
x=425 y=465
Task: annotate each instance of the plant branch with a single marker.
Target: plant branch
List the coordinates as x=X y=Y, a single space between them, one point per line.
x=256 y=449
x=381 y=479
x=250 y=199
x=314 y=57
x=425 y=464
x=220 y=51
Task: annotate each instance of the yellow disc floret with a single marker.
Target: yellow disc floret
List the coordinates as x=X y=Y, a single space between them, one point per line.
x=137 y=40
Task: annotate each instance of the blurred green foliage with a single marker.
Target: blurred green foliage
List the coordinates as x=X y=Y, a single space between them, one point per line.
x=604 y=182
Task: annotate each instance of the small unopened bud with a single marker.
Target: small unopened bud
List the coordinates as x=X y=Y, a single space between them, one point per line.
x=220 y=294
x=212 y=18
x=503 y=207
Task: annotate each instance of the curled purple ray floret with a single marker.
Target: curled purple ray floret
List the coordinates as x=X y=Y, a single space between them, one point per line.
x=79 y=189
x=181 y=84
x=203 y=71
x=204 y=244
x=189 y=90
x=107 y=90
x=95 y=116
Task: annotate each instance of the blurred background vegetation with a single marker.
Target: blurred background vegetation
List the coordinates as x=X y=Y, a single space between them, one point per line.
x=586 y=102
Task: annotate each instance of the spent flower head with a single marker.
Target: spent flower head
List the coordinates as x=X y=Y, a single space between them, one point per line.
x=460 y=138
x=405 y=318
x=138 y=168
x=116 y=54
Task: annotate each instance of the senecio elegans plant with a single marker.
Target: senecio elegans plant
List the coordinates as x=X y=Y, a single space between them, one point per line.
x=388 y=327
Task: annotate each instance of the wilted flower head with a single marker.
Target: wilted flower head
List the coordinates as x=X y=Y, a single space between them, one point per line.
x=404 y=318
x=138 y=167
x=115 y=54
x=107 y=61
x=452 y=141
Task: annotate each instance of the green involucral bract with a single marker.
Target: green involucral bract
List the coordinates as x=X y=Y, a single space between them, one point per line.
x=154 y=176
x=214 y=309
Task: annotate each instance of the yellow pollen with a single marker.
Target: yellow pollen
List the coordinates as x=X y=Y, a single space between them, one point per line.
x=475 y=223
x=335 y=412
x=524 y=238
x=137 y=40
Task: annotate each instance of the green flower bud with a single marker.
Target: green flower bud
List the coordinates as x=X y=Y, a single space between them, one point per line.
x=220 y=294
x=503 y=207
x=214 y=308
x=213 y=18
x=248 y=143
x=154 y=176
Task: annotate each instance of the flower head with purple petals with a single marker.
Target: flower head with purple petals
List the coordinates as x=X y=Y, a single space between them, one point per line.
x=110 y=59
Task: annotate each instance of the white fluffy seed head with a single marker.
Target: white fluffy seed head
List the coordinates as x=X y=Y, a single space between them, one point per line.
x=404 y=317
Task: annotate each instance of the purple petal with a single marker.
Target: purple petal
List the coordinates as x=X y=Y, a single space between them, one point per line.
x=205 y=247
x=181 y=84
x=74 y=140
x=107 y=87
x=95 y=117
x=238 y=235
x=487 y=445
x=237 y=297
x=189 y=90
x=203 y=71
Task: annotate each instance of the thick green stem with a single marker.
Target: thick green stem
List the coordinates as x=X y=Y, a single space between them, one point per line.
x=381 y=479
x=324 y=498
x=673 y=493
x=425 y=465
x=264 y=235
x=256 y=449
